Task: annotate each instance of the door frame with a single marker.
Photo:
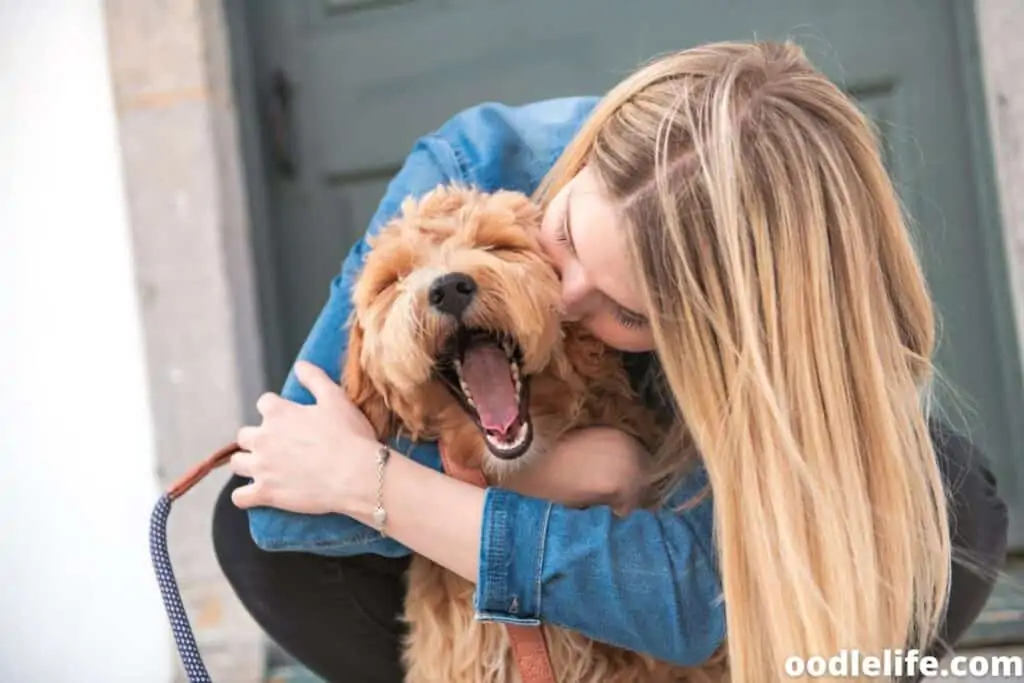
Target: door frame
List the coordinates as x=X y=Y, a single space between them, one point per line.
x=992 y=231
x=251 y=99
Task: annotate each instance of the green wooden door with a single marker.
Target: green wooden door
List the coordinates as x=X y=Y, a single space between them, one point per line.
x=365 y=78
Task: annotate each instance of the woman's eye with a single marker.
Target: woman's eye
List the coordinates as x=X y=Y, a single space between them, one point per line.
x=562 y=232
x=629 y=319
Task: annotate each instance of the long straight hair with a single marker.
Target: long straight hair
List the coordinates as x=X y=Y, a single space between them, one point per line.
x=795 y=332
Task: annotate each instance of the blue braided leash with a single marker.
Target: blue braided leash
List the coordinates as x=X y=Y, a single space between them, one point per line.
x=184 y=638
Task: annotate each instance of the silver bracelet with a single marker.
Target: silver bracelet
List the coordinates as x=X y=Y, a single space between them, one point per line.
x=380 y=515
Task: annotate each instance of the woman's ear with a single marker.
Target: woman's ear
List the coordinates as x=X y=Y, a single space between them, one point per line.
x=360 y=387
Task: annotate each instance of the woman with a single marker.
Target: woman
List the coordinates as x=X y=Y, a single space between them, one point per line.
x=724 y=212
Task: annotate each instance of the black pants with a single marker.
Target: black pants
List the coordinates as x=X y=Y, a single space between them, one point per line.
x=339 y=616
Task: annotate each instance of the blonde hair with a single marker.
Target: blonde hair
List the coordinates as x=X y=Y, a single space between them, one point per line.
x=795 y=331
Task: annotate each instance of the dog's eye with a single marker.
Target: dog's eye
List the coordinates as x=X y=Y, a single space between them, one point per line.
x=509 y=253
x=384 y=283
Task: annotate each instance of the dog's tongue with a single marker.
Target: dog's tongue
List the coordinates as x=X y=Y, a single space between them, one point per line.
x=486 y=372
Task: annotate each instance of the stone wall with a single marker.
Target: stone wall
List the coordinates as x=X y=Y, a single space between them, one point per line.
x=186 y=206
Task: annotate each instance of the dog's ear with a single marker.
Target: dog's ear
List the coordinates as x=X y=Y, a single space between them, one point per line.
x=360 y=387
x=526 y=213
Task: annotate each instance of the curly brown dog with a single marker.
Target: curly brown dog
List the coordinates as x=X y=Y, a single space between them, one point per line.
x=456 y=337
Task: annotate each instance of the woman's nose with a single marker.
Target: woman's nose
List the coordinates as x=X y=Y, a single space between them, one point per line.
x=575 y=289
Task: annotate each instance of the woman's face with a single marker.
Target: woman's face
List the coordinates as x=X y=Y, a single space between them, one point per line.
x=585 y=237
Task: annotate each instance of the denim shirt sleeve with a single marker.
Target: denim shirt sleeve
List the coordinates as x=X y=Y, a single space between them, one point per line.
x=430 y=163
x=646 y=582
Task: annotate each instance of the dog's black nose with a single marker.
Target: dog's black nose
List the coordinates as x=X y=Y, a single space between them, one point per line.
x=452 y=293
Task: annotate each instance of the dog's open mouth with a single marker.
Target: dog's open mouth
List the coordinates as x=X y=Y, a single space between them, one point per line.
x=483 y=370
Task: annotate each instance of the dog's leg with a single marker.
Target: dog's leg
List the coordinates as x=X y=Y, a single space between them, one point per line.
x=446 y=644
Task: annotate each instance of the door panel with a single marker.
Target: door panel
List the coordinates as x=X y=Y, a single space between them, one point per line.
x=371 y=76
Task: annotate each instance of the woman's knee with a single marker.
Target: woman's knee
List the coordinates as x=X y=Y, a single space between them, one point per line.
x=979 y=525
x=276 y=585
x=979 y=518
x=232 y=544
x=260 y=580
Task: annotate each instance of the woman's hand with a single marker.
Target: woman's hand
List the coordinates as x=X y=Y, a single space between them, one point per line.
x=320 y=458
x=307 y=459
x=589 y=466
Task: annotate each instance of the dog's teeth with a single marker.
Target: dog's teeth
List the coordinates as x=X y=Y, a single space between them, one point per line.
x=522 y=435
x=519 y=441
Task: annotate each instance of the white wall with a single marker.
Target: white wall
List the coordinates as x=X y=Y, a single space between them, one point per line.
x=78 y=601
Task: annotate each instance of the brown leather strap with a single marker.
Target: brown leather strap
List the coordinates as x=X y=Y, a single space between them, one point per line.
x=528 y=645
x=197 y=473
x=531 y=653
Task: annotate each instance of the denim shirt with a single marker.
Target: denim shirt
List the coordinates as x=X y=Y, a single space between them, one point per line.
x=647 y=582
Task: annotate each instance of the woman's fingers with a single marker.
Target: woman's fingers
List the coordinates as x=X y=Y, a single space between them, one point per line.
x=243 y=464
x=270 y=403
x=323 y=388
x=246 y=438
x=254 y=493
x=247 y=496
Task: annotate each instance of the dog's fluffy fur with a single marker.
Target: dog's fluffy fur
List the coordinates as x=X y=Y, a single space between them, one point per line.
x=399 y=372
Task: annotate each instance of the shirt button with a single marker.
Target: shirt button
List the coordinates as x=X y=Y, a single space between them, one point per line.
x=513 y=608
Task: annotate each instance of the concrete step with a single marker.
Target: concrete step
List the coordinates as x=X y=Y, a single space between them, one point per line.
x=291 y=673
x=1002 y=622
